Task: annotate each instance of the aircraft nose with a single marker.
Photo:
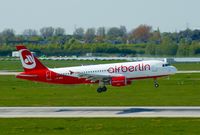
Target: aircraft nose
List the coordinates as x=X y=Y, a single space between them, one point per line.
x=173 y=69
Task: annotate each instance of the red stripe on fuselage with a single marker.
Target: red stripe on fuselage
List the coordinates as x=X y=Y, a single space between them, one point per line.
x=48 y=76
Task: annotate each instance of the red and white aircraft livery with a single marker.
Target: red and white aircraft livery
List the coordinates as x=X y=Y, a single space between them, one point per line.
x=118 y=74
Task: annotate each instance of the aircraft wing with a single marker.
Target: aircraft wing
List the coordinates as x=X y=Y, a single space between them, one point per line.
x=96 y=77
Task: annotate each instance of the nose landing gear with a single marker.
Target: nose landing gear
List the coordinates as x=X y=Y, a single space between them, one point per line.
x=156 y=83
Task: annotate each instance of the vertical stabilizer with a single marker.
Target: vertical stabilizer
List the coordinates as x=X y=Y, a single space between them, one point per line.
x=29 y=62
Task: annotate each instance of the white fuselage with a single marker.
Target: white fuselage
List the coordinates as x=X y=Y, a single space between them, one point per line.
x=141 y=69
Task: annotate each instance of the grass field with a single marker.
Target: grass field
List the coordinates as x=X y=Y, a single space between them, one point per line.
x=177 y=90
x=187 y=66
x=100 y=126
x=16 y=65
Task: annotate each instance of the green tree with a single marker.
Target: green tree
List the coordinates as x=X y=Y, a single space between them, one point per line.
x=59 y=32
x=150 y=49
x=79 y=33
x=8 y=35
x=30 y=33
x=183 y=48
x=47 y=32
x=194 y=48
x=168 y=47
x=89 y=35
x=115 y=34
x=100 y=34
x=156 y=37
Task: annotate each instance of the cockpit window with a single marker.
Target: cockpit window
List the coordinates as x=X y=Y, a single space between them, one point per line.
x=166 y=65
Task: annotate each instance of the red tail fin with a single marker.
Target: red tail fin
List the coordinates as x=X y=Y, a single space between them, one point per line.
x=29 y=62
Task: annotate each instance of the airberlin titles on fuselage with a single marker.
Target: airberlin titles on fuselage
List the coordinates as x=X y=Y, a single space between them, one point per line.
x=132 y=68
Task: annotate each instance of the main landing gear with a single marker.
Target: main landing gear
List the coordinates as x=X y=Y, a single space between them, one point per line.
x=101 y=89
x=156 y=83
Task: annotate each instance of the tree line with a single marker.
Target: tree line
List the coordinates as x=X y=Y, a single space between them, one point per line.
x=142 y=40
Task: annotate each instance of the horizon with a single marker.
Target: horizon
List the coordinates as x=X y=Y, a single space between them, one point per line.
x=168 y=16
x=128 y=31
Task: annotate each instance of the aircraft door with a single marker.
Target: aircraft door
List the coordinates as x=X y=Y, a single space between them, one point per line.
x=48 y=75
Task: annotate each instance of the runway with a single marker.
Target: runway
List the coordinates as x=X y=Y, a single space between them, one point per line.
x=188 y=72
x=8 y=73
x=98 y=112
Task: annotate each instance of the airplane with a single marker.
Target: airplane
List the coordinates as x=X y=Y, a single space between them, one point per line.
x=116 y=74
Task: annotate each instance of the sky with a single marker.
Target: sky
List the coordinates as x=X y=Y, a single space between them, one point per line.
x=167 y=15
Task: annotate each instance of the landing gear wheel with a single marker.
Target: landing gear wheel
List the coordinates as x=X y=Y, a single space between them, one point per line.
x=99 y=90
x=104 y=89
x=156 y=85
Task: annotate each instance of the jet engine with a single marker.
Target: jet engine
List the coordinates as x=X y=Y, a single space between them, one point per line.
x=120 y=81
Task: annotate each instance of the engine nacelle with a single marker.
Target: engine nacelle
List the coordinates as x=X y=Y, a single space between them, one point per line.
x=120 y=81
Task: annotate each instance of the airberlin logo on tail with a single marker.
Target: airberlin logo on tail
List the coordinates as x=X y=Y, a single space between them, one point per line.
x=27 y=59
